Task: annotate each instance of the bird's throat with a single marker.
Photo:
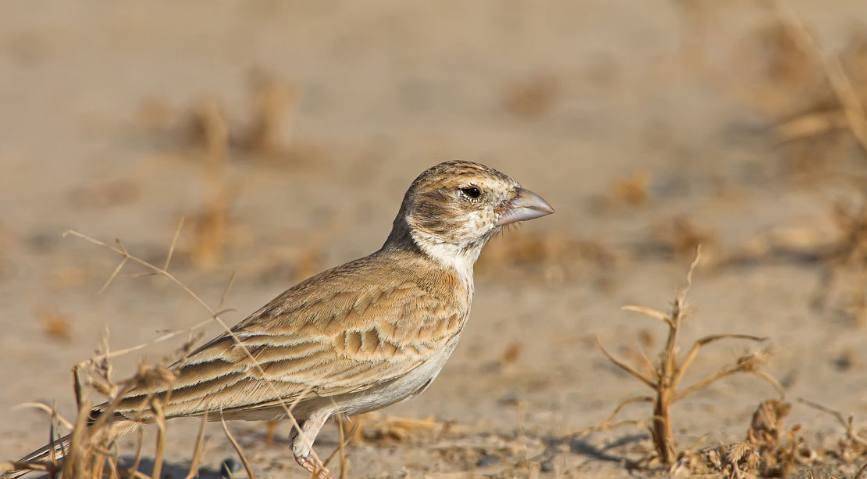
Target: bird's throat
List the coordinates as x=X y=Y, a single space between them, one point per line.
x=459 y=258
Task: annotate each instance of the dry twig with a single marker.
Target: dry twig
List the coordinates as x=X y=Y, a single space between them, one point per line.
x=669 y=372
x=87 y=450
x=237 y=448
x=214 y=316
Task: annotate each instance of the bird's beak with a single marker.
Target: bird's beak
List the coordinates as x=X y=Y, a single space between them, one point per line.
x=525 y=206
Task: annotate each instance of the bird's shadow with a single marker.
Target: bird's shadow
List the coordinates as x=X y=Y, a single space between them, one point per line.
x=582 y=447
x=178 y=470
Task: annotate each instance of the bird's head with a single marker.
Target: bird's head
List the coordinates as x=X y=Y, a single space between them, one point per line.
x=452 y=209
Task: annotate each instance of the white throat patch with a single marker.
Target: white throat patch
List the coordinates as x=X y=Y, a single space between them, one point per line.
x=449 y=255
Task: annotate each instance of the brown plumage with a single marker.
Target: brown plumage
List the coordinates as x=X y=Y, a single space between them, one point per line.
x=336 y=333
x=360 y=336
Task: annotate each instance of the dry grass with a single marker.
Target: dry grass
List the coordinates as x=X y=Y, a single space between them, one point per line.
x=89 y=451
x=801 y=80
x=665 y=376
x=769 y=449
x=852 y=446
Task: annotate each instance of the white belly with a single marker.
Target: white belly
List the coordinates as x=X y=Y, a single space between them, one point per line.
x=405 y=387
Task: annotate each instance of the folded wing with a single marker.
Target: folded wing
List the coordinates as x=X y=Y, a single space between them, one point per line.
x=334 y=334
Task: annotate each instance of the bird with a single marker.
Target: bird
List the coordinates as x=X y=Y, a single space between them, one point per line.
x=357 y=337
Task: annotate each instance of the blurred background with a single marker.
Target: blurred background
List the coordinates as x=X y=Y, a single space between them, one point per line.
x=285 y=134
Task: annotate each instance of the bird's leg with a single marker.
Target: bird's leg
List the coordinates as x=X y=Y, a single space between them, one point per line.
x=271 y=428
x=302 y=445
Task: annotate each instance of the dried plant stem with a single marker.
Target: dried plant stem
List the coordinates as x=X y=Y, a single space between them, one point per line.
x=846 y=421
x=198 y=449
x=174 y=243
x=214 y=316
x=139 y=441
x=52 y=443
x=668 y=373
x=98 y=465
x=74 y=466
x=157 y=408
x=237 y=448
x=48 y=409
x=112 y=467
x=696 y=347
x=626 y=367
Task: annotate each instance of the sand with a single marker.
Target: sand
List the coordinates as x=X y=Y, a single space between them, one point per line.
x=629 y=117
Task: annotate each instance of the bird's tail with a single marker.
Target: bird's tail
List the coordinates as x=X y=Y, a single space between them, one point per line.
x=43 y=455
x=60 y=448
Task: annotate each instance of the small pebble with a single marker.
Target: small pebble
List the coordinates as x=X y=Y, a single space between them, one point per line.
x=487 y=460
x=228 y=467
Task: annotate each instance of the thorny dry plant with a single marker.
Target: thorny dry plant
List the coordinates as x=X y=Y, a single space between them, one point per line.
x=666 y=375
x=853 y=445
x=768 y=450
x=92 y=444
x=90 y=449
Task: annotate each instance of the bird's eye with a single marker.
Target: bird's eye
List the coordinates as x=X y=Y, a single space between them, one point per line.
x=471 y=192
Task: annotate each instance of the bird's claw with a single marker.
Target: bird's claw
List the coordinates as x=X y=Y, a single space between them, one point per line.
x=314 y=466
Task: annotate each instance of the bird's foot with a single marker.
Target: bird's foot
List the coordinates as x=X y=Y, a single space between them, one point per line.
x=314 y=466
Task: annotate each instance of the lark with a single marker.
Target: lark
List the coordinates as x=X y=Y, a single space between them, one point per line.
x=358 y=337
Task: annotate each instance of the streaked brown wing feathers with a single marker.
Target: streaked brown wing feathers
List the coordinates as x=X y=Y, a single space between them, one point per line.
x=324 y=337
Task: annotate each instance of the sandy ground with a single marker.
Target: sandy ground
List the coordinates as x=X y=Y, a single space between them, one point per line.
x=626 y=115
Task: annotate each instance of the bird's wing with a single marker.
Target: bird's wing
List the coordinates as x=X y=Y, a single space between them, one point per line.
x=340 y=332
